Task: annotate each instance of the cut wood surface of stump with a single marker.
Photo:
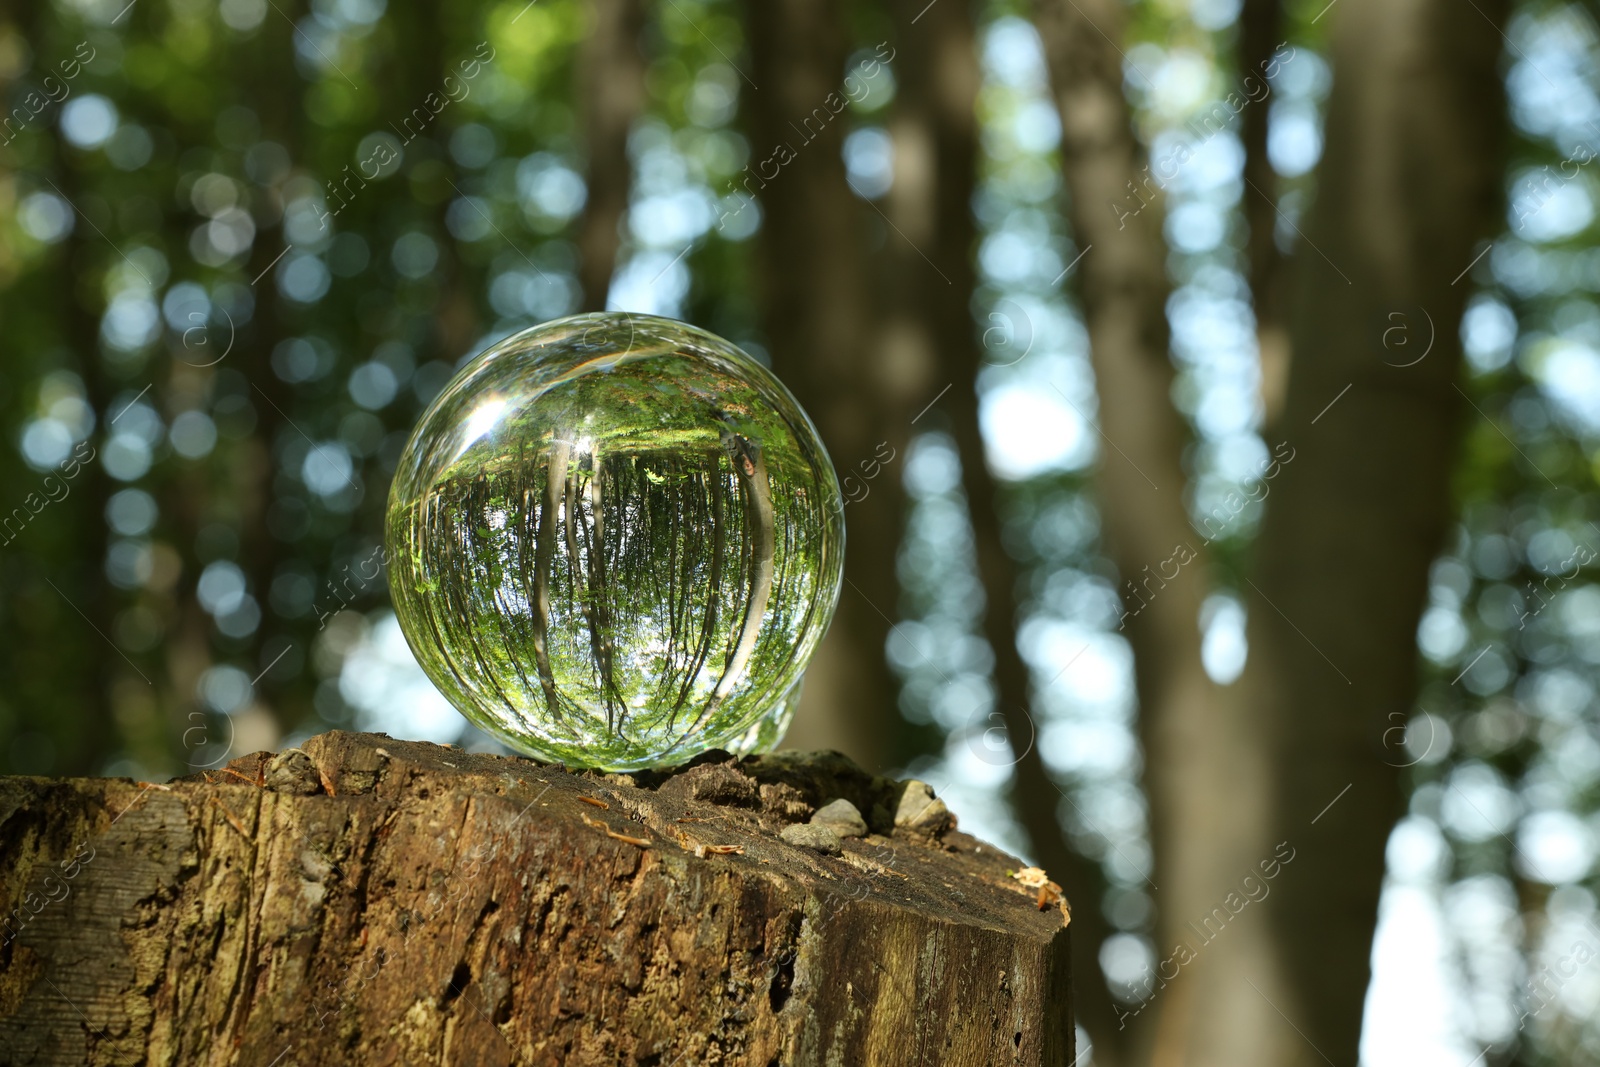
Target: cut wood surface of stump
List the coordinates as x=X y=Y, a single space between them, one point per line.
x=367 y=900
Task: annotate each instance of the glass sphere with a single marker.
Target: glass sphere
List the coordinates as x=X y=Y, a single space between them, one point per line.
x=614 y=541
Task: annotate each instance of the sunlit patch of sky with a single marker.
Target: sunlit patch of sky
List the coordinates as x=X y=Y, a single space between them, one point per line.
x=1168 y=84
x=681 y=195
x=1550 y=203
x=1564 y=977
x=1554 y=847
x=1569 y=373
x=1031 y=428
x=1223 y=646
x=1089 y=747
x=1550 y=84
x=46 y=217
x=1488 y=331
x=1214 y=14
x=714 y=96
x=1093 y=668
x=869 y=161
x=381 y=680
x=1127 y=959
x=1414 y=1002
x=1481 y=912
x=650 y=283
x=327 y=468
x=549 y=188
x=1294 y=137
x=1013 y=57
x=88 y=121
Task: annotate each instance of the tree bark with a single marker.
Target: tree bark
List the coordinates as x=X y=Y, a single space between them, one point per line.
x=367 y=900
x=861 y=383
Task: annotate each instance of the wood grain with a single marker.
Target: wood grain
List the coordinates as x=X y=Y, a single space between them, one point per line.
x=367 y=900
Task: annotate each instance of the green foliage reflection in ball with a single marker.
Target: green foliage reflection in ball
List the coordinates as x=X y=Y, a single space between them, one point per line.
x=614 y=541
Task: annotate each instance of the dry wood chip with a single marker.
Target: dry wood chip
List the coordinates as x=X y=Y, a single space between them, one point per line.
x=260 y=781
x=1032 y=877
x=1048 y=892
x=642 y=842
x=232 y=820
x=596 y=802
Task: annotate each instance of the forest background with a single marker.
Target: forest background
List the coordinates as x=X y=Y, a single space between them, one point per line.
x=1215 y=385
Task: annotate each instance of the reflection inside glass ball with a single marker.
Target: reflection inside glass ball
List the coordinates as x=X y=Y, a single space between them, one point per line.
x=615 y=540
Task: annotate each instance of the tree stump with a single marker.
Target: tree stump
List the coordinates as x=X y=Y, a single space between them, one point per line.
x=367 y=900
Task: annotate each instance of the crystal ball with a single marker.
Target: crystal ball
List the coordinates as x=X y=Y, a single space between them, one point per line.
x=614 y=541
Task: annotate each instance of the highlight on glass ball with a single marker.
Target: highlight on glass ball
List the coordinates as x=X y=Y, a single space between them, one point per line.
x=615 y=541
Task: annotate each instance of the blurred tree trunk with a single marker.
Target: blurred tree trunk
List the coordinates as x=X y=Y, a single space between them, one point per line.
x=1260 y=26
x=935 y=131
x=1410 y=181
x=610 y=93
x=1409 y=184
x=861 y=387
x=83 y=585
x=1189 y=735
x=427 y=54
x=261 y=552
